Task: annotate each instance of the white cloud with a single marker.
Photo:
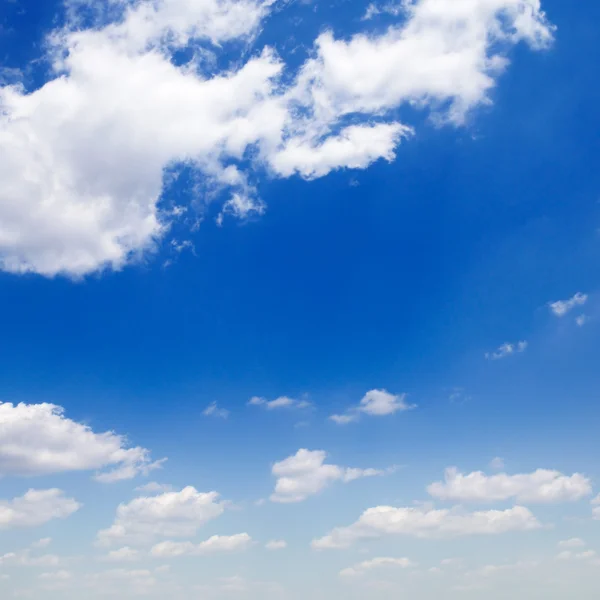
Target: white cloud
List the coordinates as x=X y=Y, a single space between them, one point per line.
x=376 y=563
x=571 y=543
x=587 y=555
x=276 y=545
x=215 y=544
x=43 y=543
x=56 y=576
x=213 y=410
x=86 y=157
x=563 y=307
x=37 y=439
x=581 y=320
x=25 y=559
x=375 y=403
x=36 y=507
x=541 y=486
x=283 y=402
x=125 y=554
x=427 y=523
x=305 y=474
x=172 y=514
x=507 y=349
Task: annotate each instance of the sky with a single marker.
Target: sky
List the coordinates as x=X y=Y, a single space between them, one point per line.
x=299 y=299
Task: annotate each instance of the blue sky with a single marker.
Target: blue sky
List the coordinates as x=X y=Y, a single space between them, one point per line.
x=387 y=214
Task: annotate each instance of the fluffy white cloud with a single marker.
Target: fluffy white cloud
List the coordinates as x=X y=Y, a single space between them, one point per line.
x=283 y=402
x=86 y=158
x=172 y=514
x=56 y=576
x=43 y=543
x=37 y=439
x=376 y=563
x=25 y=559
x=213 y=410
x=541 y=486
x=507 y=349
x=375 y=403
x=215 y=544
x=563 y=307
x=276 y=545
x=153 y=487
x=36 y=507
x=427 y=523
x=305 y=474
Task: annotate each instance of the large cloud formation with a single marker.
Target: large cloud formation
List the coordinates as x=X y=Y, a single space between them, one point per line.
x=83 y=158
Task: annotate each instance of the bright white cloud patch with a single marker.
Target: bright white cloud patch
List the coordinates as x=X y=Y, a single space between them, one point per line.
x=172 y=514
x=564 y=307
x=305 y=474
x=125 y=554
x=507 y=349
x=572 y=543
x=36 y=507
x=375 y=403
x=37 y=439
x=376 y=563
x=83 y=158
x=427 y=523
x=215 y=544
x=541 y=486
x=283 y=402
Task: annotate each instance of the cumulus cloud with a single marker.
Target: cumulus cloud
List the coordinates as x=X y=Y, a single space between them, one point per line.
x=375 y=403
x=283 y=402
x=86 y=158
x=36 y=507
x=541 y=486
x=561 y=308
x=215 y=544
x=383 y=521
x=153 y=487
x=171 y=514
x=305 y=474
x=507 y=349
x=38 y=439
x=376 y=563
x=571 y=543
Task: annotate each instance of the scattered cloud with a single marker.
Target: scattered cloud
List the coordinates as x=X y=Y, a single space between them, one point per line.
x=375 y=403
x=305 y=474
x=564 y=307
x=382 y=521
x=376 y=563
x=283 y=402
x=507 y=349
x=87 y=207
x=581 y=320
x=572 y=543
x=35 y=508
x=215 y=544
x=125 y=554
x=38 y=439
x=154 y=488
x=276 y=545
x=43 y=543
x=541 y=486
x=171 y=514
x=213 y=410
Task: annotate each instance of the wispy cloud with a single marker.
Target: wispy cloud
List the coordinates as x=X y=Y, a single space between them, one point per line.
x=507 y=349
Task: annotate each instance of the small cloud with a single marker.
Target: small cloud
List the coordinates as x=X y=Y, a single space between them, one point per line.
x=283 y=402
x=581 y=320
x=497 y=464
x=43 y=543
x=507 y=349
x=276 y=545
x=572 y=543
x=125 y=554
x=375 y=403
x=154 y=488
x=563 y=307
x=213 y=410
